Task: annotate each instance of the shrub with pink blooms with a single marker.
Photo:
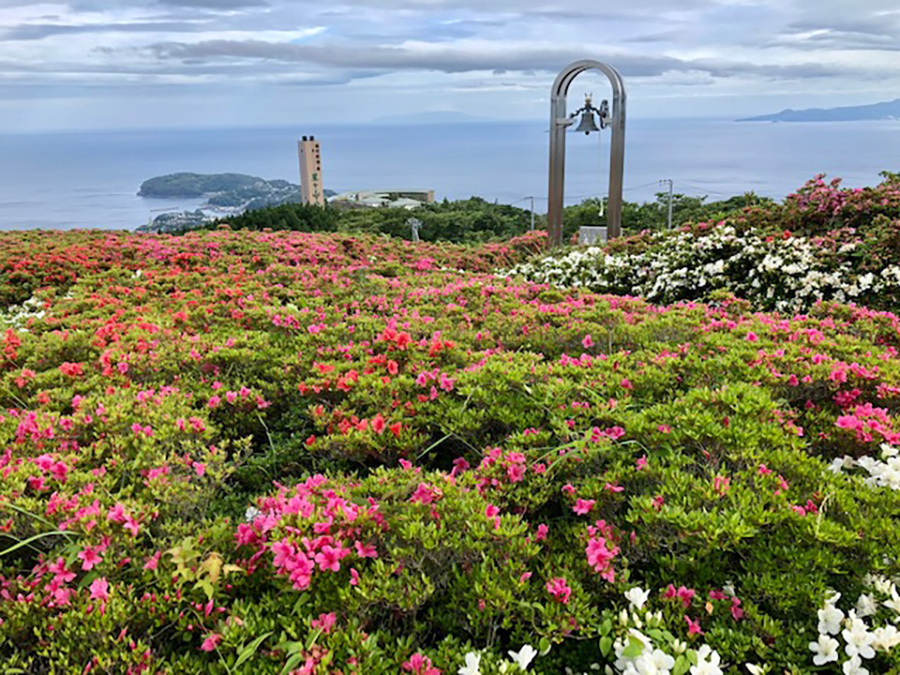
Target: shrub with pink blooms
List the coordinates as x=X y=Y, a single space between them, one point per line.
x=301 y=453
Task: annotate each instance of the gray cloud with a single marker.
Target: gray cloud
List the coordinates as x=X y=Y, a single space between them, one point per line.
x=39 y=31
x=452 y=60
x=441 y=53
x=214 y=4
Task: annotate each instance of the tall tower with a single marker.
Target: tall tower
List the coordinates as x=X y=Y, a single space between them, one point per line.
x=310 y=171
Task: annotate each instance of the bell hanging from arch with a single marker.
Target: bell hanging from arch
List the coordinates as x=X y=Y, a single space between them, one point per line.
x=587 y=124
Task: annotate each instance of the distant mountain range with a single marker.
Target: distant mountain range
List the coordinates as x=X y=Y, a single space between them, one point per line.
x=889 y=110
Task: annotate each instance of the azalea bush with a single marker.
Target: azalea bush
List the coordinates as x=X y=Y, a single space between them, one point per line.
x=304 y=453
x=823 y=243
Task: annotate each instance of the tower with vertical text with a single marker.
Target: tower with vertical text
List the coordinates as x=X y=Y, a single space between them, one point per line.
x=310 y=171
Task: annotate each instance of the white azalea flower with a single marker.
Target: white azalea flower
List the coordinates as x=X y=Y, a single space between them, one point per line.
x=894 y=602
x=661 y=661
x=858 y=639
x=707 y=662
x=754 y=669
x=825 y=650
x=854 y=667
x=830 y=618
x=885 y=638
x=866 y=605
x=524 y=656
x=473 y=662
x=637 y=597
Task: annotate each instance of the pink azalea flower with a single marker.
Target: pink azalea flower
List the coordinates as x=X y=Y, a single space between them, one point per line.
x=583 y=506
x=61 y=572
x=587 y=341
x=515 y=473
x=693 y=626
x=211 y=642
x=100 y=589
x=420 y=665
x=365 y=550
x=559 y=589
x=153 y=561
x=329 y=558
x=325 y=622
x=641 y=463
x=89 y=557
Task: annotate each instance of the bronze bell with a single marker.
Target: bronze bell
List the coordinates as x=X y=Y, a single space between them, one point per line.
x=587 y=124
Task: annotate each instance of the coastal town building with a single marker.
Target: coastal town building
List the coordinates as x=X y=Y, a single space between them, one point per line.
x=405 y=198
x=310 y=171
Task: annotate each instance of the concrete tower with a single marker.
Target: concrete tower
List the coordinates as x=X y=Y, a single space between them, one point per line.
x=310 y=171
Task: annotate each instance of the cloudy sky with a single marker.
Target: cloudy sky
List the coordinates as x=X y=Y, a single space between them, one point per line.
x=193 y=63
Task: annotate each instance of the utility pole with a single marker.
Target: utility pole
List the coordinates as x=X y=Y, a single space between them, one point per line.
x=532 y=212
x=669 y=181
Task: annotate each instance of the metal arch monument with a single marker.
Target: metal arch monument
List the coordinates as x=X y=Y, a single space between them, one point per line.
x=559 y=122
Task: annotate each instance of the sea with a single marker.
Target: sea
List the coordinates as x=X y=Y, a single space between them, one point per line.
x=91 y=179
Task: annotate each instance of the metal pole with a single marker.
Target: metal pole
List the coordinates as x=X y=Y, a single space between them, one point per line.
x=669 y=181
x=532 y=213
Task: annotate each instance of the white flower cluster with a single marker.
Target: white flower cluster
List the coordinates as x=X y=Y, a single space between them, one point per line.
x=860 y=641
x=520 y=659
x=781 y=274
x=651 y=660
x=636 y=654
x=882 y=473
x=17 y=316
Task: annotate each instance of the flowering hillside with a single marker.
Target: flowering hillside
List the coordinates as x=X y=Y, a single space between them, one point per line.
x=823 y=243
x=298 y=453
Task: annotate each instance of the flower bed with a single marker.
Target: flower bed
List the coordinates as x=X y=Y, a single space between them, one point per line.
x=823 y=243
x=271 y=453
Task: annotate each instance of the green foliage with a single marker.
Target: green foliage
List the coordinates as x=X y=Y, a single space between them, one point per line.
x=248 y=452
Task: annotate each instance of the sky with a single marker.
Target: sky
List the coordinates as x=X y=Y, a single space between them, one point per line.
x=87 y=64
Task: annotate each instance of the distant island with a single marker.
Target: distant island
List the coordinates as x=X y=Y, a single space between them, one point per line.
x=889 y=110
x=226 y=194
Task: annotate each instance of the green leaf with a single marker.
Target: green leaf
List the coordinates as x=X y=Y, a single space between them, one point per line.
x=544 y=646
x=634 y=649
x=682 y=665
x=26 y=542
x=250 y=649
x=605 y=645
x=291 y=662
x=605 y=627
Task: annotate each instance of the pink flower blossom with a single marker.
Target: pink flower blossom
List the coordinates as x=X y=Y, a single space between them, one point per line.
x=100 y=589
x=693 y=626
x=583 y=506
x=559 y=589
x=89 y=557
x=211 y=642
x=420 y=665
x=153 y=561
x=325 y=622
x=329 y=558
x=365 y=550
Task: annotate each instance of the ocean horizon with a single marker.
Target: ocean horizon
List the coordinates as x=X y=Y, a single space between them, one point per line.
x=67 y=180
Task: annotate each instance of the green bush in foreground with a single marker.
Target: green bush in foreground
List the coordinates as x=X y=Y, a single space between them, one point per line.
x=284 y=452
